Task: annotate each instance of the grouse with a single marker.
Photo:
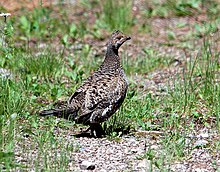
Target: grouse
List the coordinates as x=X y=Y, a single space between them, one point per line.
x=101 y=94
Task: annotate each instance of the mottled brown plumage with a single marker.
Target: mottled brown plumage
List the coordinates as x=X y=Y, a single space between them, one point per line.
x=101 y=95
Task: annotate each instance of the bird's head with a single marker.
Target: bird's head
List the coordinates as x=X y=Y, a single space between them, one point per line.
x=117 y=39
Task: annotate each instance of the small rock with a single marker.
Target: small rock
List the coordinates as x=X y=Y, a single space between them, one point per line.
x=134 y=150
x=155 y=147
x=200 y=170
x=201 y=143
x=203 y=135
x=109 y=151
x=188 y=141
x=87 y=165
x=144 y=165
x=179 y=167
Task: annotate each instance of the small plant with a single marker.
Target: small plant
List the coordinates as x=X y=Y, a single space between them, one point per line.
x=12 y=103
x=175 y=7
x=35 y=24
x=6 y=48
x=205 y=29
x=213 y=9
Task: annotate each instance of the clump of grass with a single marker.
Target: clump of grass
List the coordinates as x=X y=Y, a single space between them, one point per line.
x=35 y=24
x=41 y=24
x=143 y=65
x=199 y=85
x=117 y=15
x=192 y=101
x=212 y=8
x=45 y=65
x=175 y=8
x=206 y=28
x=12 y=103
x=11 y=97
x=53 y=151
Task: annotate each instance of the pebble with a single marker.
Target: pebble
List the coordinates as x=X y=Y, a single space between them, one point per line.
x=87 y=165
x=200 y=170
x=144 y=165
x=203 y=135
x=201 y=143
x=134 y=150
x=102 y=155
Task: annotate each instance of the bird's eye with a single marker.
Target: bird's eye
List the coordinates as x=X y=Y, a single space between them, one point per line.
x=118 y=38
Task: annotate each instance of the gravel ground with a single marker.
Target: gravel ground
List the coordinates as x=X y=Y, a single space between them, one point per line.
x=120 y=154
x=111 y=155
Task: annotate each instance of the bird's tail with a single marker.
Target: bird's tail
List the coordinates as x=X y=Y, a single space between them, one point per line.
x=66 y=113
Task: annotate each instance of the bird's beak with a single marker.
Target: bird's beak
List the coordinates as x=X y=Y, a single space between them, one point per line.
x=128 y=38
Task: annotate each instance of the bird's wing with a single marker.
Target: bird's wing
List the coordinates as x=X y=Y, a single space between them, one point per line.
x=105 y=91
x=78 y=97
x=102 y=98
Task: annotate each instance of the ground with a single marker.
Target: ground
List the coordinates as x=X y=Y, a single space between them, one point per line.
x=170 y=118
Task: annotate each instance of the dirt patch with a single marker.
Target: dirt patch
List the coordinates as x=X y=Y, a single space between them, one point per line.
x=12 y=6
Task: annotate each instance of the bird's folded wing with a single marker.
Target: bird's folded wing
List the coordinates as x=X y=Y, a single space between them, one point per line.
x=104 y=93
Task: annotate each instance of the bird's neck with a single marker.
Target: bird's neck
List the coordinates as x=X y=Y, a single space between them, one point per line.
x=111 y=50
x=112 y=60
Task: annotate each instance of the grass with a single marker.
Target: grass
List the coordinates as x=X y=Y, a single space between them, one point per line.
x=191 y=101
x=117 y=15
x=11 y=102
x=174 y=8
x=42 y=75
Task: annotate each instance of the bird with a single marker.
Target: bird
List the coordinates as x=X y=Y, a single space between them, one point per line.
x=101 y=94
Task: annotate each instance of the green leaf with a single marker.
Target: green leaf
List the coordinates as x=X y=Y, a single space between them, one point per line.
x=25 y=24
x=65 y=40
x=4 y=155
x=73 y=30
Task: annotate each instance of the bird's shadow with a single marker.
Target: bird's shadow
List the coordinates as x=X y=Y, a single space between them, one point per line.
x=83 y=134
x=88 y=135
x=107 y=132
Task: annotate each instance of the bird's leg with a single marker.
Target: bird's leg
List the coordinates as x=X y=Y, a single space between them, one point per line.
x=97 y=130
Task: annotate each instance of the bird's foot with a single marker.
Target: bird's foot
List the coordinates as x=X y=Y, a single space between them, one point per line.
x=96 y=130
